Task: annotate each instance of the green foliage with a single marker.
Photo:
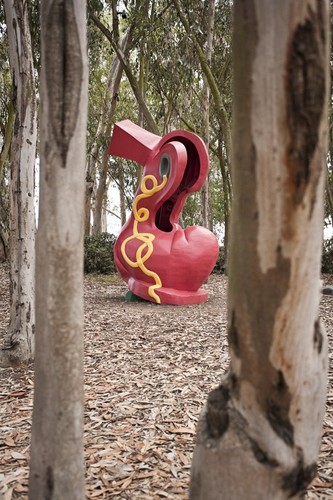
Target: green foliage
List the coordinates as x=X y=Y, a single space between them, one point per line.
x=327 y=257
x=129 y=171
x=98 y=254
x=191 y=210
x=34 y=17
x=220 y=263
x=100 y=57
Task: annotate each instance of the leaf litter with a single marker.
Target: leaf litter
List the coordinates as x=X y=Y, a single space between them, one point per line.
x=148 y=371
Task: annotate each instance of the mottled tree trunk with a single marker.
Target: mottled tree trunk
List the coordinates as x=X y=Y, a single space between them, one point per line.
x=57 y=466
x=19 y=342
x=260 y=432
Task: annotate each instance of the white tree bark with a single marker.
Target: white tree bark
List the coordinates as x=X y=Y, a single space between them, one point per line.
x=260 y=432
x=19 y=342
x=57 y=467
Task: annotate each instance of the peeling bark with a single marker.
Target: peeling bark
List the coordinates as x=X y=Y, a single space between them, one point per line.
x=65 y=80
x=274 y=395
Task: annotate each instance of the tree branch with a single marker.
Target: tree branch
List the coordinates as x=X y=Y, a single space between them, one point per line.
x=221 y=111
x=130 y=76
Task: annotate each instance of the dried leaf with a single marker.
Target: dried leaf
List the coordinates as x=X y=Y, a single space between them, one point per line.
x=148 y=371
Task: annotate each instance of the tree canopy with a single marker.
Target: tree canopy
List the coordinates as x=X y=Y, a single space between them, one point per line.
x=165 y=72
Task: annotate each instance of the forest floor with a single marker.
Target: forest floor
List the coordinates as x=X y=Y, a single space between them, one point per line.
x=148 y=370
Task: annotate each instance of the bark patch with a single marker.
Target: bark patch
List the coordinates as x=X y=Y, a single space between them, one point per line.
x=63 y=74
x=233 y=334
x=255 y=342
x=49 y=483
x=217 y=413
x=278 y=418
x=305 y=100
x=261 y=456
x=317 y=337
x=299 y=477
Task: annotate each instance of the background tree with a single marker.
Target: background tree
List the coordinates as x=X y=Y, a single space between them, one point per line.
x=205 y=211
x=19 y=341
x=7 y=116
x=265 y=419
x=57 y=468
x=101 y=116
x=167 y=64
x=329 y=180
x=104 y=133
x=173 y=85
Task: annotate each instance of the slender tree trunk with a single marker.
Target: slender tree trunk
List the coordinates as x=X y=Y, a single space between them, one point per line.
x=57 y=466
x=101 y=192
x=104 y=221
x=7 y=141
x=205 y=212
x=143 y=65
x=88 y=196
x=122 y=197
x=4 y=163
x=19 y=341
x=129 y=73
x=260 y=432
x=329 y=195
x=222 y=115
x=226 y=201
x=105 y=210
x=103 y=132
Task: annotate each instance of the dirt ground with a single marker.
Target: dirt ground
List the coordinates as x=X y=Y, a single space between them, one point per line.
x=148 y=370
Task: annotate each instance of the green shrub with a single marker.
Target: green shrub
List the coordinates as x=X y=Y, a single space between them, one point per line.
x=327 y=257
x=220 y=263
x=98 y=254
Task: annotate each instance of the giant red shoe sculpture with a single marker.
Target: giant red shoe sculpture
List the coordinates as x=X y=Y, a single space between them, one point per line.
x=160 y=261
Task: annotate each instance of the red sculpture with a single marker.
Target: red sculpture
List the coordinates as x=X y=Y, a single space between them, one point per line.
x=160 y=261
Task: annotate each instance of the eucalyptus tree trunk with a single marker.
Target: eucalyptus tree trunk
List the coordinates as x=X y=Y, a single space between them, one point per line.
x=222 y=115
x=227 y=196
x=143 y=67
x=57 y=466
x=8 y=132
x=122 y=198
x=101 y=192
x=205 y=212
x=129 y=73
x=260 y=431
x=101 y=196
x=4 y=166
x=103 y=133
x=329 y=194
x=19 y=342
